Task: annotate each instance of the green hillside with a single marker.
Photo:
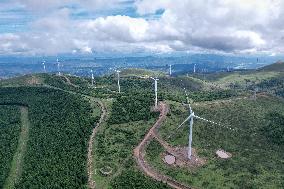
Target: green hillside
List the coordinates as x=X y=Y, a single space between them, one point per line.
x=10 y=126
x=61 y=112
x=277 y=67
x=60 y=125
x=256 y=145
x=141 y=72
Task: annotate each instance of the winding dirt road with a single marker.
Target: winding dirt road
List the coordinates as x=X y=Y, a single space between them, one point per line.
x=139 y=152
x=68 y=81
x=91 y=182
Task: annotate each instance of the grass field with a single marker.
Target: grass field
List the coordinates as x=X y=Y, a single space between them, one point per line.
x=256 y=161
x=226 y=79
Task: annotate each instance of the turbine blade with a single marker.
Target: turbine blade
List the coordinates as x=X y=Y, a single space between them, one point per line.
x=187 y=99
x=228 y=127
x=206 y=120
x=180 y=126
x=184 y=122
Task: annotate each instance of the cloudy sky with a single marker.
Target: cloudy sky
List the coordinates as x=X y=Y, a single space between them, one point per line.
x=46 y=27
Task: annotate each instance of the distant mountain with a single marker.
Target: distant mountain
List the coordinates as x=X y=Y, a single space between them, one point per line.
x=278 y=66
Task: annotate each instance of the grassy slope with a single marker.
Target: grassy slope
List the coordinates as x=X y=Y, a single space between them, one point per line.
x=225 y=80
x=26 y=80
x=9 y=133
x=141 y=72
x=116 y=142
x=256 y=163
x=17 y=162
x=277 y=67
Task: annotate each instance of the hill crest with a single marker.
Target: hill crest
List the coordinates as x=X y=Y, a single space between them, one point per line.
x=278 y=67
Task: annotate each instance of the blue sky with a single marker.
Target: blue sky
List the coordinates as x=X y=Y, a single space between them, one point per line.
x=31 y=27
x=16 y=18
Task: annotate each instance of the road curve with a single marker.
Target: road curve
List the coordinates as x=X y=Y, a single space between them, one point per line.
x=139 y=152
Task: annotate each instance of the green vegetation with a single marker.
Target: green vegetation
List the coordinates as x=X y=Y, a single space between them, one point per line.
x=240 y=79
x=274 y=130
x=131 y=108
x=273 y=85
x=17 y=162
x=255 y=160
x=141 y=72
x=62 y=111
x=26 y=80
x=114 y=146
x=9 y=133
x=277 y=67
x=130 y=179
x=61 y=124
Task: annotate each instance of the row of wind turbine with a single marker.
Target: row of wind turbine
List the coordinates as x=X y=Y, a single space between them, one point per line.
x=57 y=63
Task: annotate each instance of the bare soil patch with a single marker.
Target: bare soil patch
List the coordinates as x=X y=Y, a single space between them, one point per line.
x=181 y=159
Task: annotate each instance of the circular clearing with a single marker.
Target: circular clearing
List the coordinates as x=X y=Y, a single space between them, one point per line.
x=170 y=159
x=106 y=170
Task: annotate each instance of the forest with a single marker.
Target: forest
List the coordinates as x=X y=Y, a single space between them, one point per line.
x=10 y=127
x=130 y=179
x=61 y=124
x=132 y=107
x=274 y=129
x=274 y=86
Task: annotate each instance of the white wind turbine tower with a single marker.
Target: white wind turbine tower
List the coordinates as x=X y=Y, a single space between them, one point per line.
x=190 y=118
x=43 y=63
x=156 y=91
x=170 y=70
x=58 y=67
x=92 y=77
x=118 y=77
x=194 y=68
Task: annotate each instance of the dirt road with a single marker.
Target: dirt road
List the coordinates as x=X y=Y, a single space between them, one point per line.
x=139 y=152
x=91 y=182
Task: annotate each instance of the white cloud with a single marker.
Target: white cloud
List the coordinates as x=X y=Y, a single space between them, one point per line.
x=236 y=26
x=118 y=28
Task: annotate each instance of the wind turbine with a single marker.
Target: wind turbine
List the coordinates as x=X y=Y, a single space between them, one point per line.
x=156 y=91
x=92 y=77
x=43 y=63
x=118 y=84
x=194 y=68
x=254 y=93
x=170 y=70
x=58 y=66
x=190 y=119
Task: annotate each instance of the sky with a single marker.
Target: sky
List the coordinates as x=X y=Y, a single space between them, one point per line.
x=52 y=27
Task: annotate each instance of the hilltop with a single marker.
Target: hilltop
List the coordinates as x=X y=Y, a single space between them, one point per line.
x=277 y=67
